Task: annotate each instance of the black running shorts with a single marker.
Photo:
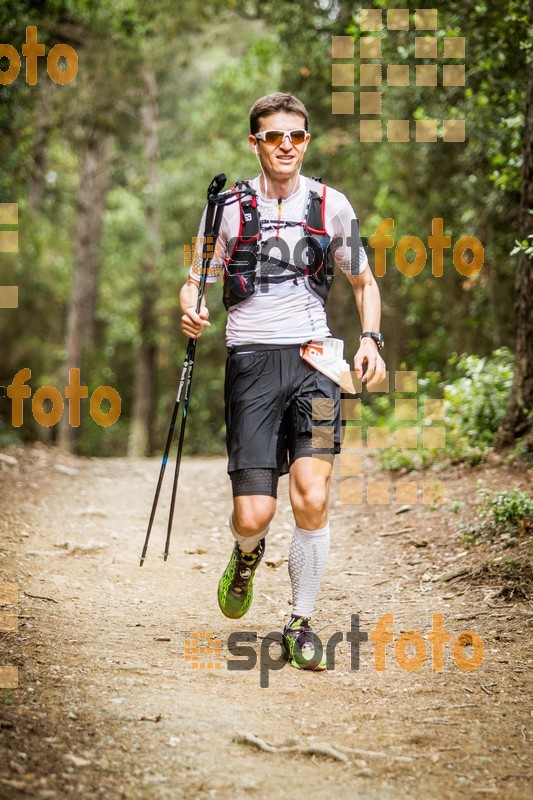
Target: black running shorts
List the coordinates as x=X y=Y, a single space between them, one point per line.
x=269 y=415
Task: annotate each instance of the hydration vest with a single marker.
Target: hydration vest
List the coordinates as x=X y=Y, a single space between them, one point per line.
x=250 y=265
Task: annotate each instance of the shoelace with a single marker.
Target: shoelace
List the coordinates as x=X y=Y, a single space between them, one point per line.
x=303 y=627
x=243 y=574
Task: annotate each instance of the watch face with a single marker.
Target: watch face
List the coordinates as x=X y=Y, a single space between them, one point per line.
x=377 y=337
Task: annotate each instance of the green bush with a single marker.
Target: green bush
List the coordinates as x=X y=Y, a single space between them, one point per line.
x=503 y=516
x=396 y=458
x=508 y=511
x=477 y=399
x=475 y=402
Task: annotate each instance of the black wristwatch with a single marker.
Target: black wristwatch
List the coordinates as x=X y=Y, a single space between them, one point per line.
x=377 y=337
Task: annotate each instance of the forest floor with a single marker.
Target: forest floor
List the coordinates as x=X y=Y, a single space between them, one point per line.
x=108 y=706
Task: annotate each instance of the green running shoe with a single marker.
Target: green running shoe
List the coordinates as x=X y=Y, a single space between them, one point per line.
x=235 y=588
x=302 y=649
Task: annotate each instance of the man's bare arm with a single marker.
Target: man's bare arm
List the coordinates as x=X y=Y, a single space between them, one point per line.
x=192 y=323
x=368 y=302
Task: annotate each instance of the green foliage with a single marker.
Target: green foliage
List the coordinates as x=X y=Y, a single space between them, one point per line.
x=525 y=246
x=475 y=402
x=504 y=518
x=456 y=506
x=509 y=511
x=477 y=399
x=396 y=459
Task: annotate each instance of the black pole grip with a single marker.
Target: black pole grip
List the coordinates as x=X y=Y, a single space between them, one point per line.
x=216 y=185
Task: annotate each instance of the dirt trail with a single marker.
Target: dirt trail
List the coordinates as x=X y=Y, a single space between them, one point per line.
x=108 y=706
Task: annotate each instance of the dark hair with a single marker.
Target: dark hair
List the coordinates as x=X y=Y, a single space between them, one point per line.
x=278 y=101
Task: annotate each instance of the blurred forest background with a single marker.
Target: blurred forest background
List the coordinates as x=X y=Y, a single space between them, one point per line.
x=110 y=174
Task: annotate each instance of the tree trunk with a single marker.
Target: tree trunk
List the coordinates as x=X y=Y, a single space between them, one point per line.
x=141 y=432
x=518 y=420
x=94 y=182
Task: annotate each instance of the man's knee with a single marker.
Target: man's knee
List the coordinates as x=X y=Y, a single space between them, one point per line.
x=252 y=513
x=311 y=497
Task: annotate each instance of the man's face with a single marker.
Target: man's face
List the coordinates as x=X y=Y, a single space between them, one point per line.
x=280 y=162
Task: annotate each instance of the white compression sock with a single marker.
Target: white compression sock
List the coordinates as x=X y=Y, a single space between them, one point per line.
x=247 y=543
x=308 y=555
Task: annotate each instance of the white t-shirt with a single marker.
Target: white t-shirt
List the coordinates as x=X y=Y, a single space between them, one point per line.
x=287 y=313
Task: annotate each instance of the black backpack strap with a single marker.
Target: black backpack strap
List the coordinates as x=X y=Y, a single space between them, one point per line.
x=315 y=220
x=250 y=222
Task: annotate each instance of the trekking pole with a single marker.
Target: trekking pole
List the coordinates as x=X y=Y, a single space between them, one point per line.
x=211 y=229
x=214 y=234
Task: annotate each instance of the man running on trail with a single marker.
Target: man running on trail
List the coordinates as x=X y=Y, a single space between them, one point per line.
x=275 y=305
